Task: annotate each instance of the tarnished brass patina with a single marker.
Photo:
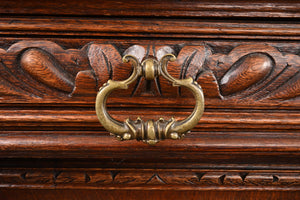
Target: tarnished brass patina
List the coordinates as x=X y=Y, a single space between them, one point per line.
x=150 y=131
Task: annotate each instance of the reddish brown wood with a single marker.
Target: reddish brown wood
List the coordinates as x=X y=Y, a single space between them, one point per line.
x=42 y=67
x=246 y=72
x=169 y=8
x=55 y=55
x=10 y=194
x=148 y=27
x=150 y=178
x=249 y=75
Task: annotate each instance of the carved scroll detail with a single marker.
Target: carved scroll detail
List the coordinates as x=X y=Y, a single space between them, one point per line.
x=255 y=72
x=41 y=69
x=247 y=71
x=44 y=68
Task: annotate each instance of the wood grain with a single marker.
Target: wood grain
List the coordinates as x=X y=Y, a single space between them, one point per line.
x=45 y=69
x=54 y=56
x=12 y=194
x=149 y=179
x=169 y=8
x=246 y=72
x=149 y=27
x=249 y=75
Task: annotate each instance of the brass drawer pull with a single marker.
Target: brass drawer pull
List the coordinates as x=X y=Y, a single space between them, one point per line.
x=150 y=131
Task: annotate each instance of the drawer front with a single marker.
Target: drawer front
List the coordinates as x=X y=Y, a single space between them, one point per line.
x=245 y=58
x=248 y=87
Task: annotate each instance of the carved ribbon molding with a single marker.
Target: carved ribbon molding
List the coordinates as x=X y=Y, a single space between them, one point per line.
x=62 y=178
x=40 y=70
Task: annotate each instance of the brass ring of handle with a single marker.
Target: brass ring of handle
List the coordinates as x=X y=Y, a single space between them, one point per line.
x=150 y=131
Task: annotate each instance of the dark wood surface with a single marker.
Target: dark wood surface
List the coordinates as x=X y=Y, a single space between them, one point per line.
x=55 y=55
x=169 y=8
x=9 y=194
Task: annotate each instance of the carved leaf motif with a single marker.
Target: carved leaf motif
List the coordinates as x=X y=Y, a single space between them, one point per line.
x=189 y=63
x=162 y=51
x=55 y=73
x=137 y=51
x=246 y=72
x=63 y=64
x=7 y=89
x=107 y=63
x=287 y=86
x=192 y=59
x=100 y=63
x=288 y=90
x=85 y=83
x=71 y=60
x=44 y=68
x=145 y=87
x=209 y=84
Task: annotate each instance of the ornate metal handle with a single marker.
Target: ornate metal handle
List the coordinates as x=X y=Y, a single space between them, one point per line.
x=150 y=131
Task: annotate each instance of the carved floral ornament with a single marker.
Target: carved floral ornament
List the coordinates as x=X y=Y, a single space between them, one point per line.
x=33 y=70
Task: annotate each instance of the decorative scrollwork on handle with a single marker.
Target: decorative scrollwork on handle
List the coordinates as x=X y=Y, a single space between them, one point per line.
x=150 y=131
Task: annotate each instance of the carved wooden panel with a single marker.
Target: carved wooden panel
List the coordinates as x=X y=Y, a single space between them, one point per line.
x=248 y=75
x=55 y=55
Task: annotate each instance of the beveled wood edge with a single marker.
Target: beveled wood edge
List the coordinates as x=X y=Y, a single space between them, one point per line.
x=242 y=120
x=77 y=133
x=83 y=145
x=172 y=28
x=268 y=8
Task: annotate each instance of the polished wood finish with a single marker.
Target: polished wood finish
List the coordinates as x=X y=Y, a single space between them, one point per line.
x=168 y=8
x=55 y=55
x=246 y=75
x=140 y=194
x=186 y=179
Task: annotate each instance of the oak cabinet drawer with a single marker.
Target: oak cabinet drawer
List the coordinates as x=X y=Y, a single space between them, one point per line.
x=245 y=58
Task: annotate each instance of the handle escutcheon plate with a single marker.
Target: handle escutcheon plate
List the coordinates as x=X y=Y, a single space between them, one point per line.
x=150 y=131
